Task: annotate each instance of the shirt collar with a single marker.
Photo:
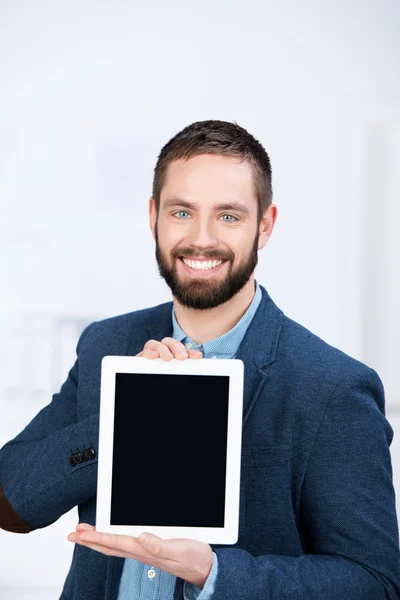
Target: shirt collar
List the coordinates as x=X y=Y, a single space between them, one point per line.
x=227 y=344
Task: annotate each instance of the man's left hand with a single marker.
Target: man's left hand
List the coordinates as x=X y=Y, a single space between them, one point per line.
x=189 y=559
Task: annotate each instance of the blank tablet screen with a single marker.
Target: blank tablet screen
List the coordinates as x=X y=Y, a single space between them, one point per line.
x=169 y=450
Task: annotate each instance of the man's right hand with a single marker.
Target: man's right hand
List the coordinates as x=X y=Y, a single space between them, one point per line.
x=168 y=349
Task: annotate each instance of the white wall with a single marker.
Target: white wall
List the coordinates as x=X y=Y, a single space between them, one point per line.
x=90 y=92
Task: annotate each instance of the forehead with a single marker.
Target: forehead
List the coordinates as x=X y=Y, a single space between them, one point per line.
x=210 y=178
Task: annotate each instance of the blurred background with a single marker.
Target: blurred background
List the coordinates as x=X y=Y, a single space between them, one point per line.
x=91 y=91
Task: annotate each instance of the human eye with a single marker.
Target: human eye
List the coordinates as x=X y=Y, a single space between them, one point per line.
x=234 y=218
x=180 y=211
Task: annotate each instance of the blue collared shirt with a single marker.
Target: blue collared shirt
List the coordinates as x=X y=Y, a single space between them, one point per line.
x=147 y=582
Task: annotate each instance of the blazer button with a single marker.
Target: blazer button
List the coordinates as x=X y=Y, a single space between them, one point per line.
x=91 y=453
x=71 y=460
x=78 y=457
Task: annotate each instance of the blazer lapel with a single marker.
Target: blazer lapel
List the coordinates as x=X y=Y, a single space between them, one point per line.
x=258 y=349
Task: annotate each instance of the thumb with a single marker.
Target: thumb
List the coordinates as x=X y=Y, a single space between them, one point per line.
x=151 y=542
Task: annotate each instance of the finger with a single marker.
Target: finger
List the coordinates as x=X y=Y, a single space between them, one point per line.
x=177 y=348
x=142 y=555
x=148 y=353
x=111 y=542
x=108 y=551
x=152 y=543
x=163 y=350
x=172 y=550
x=195 y=354
x=85 y=527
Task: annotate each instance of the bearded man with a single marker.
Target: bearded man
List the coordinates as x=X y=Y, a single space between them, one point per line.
x=317 y=511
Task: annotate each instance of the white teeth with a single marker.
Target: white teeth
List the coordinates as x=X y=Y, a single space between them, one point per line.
x=202 y=265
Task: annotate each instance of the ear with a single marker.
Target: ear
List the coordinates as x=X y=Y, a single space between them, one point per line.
x=267 y=225
x=153 y=216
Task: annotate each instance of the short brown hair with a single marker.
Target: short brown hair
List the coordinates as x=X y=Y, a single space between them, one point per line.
x=217 y=137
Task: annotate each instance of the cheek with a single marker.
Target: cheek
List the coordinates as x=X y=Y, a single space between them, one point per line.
x=167 y=240
x=241 y=248
x=172 y=239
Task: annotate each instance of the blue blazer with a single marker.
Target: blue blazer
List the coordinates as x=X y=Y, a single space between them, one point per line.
x=317 y=504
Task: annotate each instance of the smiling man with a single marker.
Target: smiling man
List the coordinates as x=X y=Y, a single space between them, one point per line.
x=317 y=510
x=207 y=249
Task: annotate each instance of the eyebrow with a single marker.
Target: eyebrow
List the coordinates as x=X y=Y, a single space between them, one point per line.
x=235 y=206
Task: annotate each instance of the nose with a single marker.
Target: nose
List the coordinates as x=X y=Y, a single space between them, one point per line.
x=203 y=235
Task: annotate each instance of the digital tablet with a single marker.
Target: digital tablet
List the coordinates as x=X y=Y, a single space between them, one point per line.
x=170 y=447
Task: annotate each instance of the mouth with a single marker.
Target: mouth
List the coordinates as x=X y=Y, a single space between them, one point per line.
x=201 y=268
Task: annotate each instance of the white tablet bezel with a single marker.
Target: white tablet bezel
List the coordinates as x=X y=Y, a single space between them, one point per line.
x=234 y=369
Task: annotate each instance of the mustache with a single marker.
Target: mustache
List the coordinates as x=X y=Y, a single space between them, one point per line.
x=207 y=254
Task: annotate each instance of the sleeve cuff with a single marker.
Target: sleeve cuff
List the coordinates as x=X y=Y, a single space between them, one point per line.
x=191 y=592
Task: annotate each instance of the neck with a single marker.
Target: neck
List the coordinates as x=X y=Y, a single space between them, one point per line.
x=205 y=325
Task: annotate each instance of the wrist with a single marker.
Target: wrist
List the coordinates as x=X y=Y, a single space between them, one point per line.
x=201 y=577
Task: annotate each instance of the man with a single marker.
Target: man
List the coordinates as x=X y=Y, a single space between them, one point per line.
x=317 y=506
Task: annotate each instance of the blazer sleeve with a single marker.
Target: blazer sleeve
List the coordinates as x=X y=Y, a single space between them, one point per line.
x=348 y=511
x=37 y=482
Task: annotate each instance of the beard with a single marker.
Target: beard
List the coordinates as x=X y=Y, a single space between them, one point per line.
x=202 y=294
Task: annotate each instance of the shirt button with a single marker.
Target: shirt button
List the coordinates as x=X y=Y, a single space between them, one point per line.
x=188 y=345
x=151 y=573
